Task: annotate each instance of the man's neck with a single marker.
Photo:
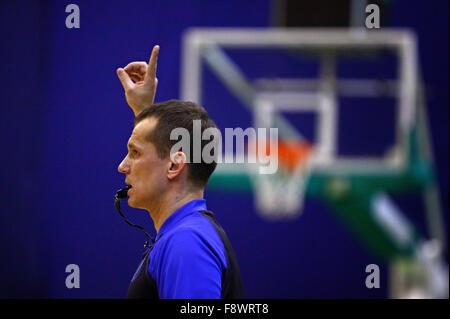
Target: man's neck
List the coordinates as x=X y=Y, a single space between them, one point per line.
x=169 y=205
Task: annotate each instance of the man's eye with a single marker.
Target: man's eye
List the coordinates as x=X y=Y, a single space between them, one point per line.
x=135 y=152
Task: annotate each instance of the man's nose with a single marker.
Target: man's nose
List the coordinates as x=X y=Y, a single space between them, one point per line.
x=123 y=167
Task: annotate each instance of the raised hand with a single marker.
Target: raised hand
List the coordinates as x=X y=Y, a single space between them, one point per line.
x=141 y=92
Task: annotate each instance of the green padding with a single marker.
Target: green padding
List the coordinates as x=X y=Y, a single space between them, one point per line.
x=318 y=183
x=355 y=212
x=230 y=182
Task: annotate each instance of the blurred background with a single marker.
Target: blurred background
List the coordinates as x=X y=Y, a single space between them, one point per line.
x=65 y=124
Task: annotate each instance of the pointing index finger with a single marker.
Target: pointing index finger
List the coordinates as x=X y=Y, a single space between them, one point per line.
x=151 y=70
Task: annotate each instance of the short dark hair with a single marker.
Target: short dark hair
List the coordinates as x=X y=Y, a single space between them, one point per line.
x=179 y=114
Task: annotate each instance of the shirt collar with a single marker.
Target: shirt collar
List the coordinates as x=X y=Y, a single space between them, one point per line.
x=192 y=206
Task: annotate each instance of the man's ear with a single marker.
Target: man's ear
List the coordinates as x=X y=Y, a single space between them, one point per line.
x=176 y=164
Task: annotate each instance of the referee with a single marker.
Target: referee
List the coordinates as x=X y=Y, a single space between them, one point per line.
x=191 y=256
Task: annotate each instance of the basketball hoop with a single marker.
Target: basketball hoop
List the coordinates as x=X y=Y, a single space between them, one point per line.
x=280 y=195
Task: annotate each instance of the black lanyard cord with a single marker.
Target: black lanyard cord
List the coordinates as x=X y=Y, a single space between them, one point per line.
x=122 y=194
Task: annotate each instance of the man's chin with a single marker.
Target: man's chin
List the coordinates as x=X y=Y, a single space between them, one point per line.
x=132 y=203
x=131 y=199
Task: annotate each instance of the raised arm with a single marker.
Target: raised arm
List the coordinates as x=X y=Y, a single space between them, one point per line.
x=141 y=92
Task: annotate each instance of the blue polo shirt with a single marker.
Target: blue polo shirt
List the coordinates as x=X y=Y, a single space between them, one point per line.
x=188 y=259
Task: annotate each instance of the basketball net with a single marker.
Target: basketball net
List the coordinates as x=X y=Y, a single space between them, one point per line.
x=281 y=195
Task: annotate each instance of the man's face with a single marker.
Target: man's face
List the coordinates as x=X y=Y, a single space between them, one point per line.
x=143 y=169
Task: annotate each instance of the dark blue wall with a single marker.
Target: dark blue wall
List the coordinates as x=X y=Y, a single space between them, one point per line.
x=65 y=124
